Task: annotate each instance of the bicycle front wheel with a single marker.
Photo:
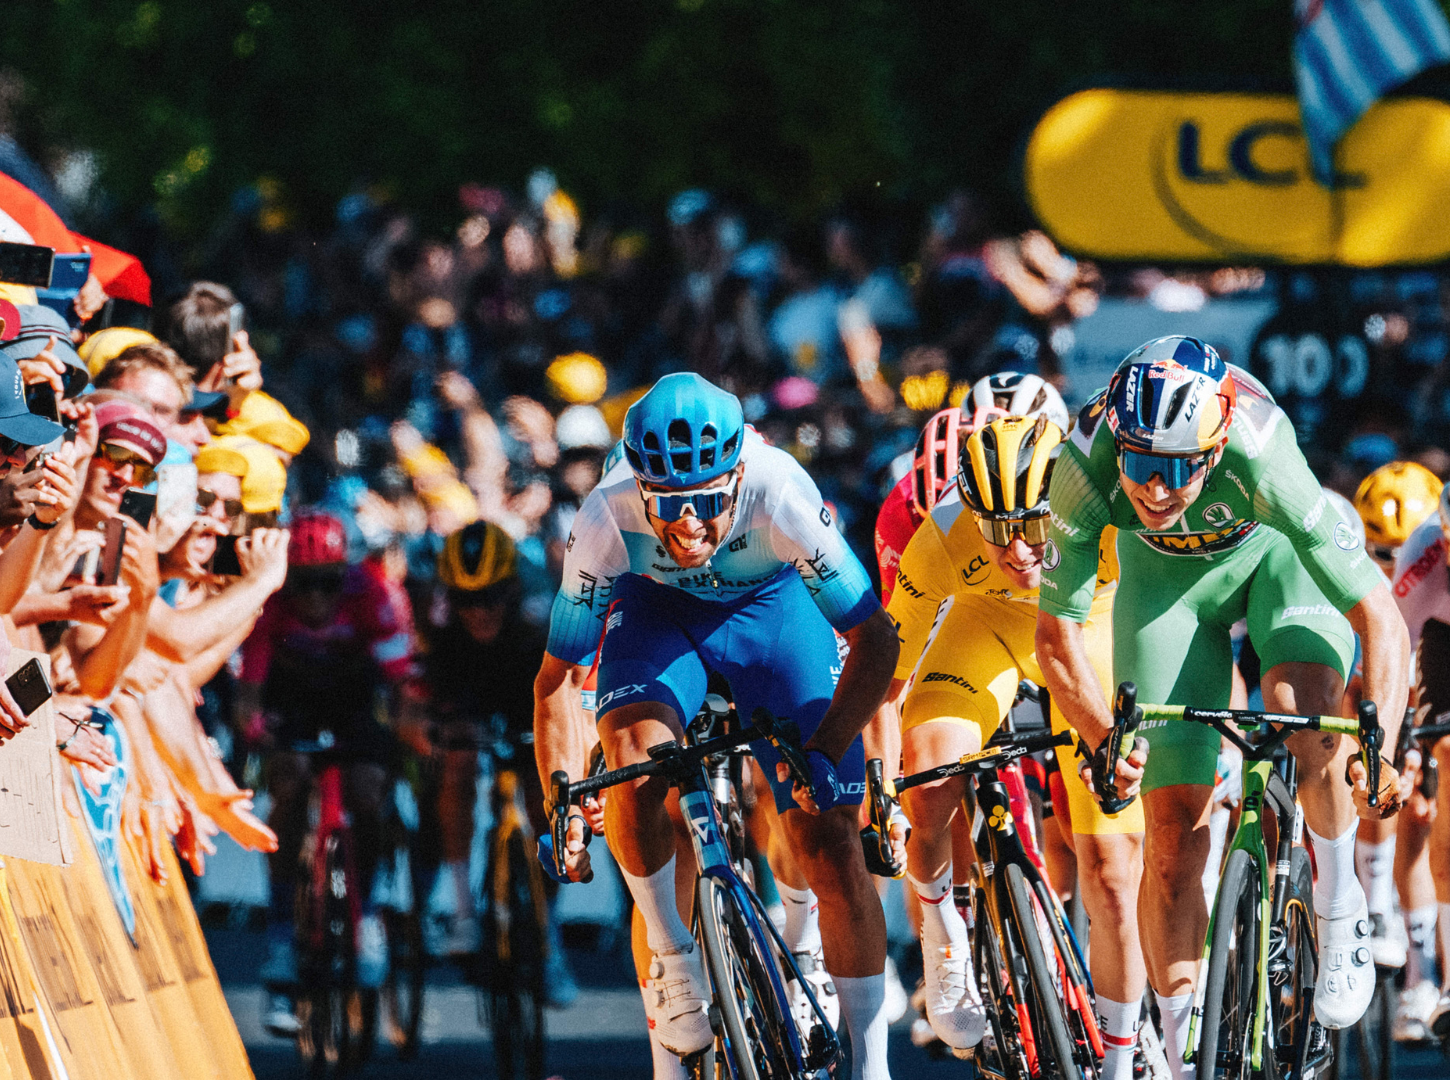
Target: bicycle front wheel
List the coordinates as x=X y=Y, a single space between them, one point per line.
x=1049 y=1023
x=756 y=1023
x=1226 y=1038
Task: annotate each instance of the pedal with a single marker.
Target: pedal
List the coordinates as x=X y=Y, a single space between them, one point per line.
x=1319 y=1054
x=819 y=1052
x=716 y=1023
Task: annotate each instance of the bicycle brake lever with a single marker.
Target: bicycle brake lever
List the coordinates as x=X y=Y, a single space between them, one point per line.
x=785 y=736
x=560 y=824
x=1125 y=721
x=880 y=810
x=1371 y=739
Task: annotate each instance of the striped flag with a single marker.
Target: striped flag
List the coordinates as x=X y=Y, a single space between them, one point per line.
x=1347 y=53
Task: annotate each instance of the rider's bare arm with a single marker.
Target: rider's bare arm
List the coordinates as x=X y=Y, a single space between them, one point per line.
x=559 y=723
x=1386 y=644
x=1062 y=655
x=865 y=678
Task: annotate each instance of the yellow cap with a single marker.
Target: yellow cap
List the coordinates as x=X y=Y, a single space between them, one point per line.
x=577 y=378
x=102 y=347
x=264 y=418
x=264 y=480
x=18 y=294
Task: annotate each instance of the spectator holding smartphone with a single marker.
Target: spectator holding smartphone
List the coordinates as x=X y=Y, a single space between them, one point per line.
x=199 y=327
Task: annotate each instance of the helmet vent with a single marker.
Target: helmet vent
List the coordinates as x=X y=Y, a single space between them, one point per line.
x=730 y=445
x=1177 y=401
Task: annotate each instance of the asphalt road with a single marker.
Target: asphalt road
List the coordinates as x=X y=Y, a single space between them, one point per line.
x=600 y=1036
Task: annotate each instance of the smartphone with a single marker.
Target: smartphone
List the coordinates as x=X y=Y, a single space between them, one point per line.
x=224 y=561
x=84 y=571
x=68 y=273
x=235 y=316
x=138 y=505
x=26 y=264
x=40 y=399
x=29 y=686
x=111 y=552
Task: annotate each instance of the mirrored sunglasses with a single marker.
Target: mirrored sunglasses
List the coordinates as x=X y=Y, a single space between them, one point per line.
x=1000 y=531
x=121 y=456
x=704 y=503
x=1176 y=472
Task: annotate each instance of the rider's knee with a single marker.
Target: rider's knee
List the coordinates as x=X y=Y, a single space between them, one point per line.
x=930 y=807
x=1315 y=752
x=1111 y=877
x=1176 y=853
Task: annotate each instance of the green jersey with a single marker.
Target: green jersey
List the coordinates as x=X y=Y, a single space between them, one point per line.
x=1261 y=482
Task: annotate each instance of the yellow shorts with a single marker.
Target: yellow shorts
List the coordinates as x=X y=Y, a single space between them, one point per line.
x=969 y=674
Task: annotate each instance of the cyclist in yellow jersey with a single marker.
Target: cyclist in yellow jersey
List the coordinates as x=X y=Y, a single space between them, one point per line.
x=965 y=602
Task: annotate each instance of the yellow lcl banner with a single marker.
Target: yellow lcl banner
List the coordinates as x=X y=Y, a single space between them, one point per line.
x=1126 y=174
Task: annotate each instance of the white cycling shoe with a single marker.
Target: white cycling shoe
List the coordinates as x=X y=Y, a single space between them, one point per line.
x=1440 y=1019
x=1413 y=1011
x=813 y=970
x=676 y=1000
x=953 y=1005
x=1346 y=969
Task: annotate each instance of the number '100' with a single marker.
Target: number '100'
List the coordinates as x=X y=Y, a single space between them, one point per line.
x=1304 y=365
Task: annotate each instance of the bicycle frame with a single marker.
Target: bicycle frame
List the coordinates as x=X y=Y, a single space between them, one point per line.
x=1261 y=784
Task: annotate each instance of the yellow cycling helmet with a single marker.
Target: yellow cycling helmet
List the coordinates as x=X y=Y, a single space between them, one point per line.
x=477 y=556
x=1003 y=475
x=1394 y=500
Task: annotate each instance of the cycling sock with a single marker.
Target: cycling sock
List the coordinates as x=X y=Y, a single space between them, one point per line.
x=655 y=897
x=802 y=931
x=1337 y=893
x=1217 y=835
x=863 y=1008
x=941 y=923
x=667 y=1066
x=1420 y=929
x=1375 y=865
x=1176 y=1012
x=1119 y=1021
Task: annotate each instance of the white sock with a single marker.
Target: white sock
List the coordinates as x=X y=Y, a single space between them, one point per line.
x=1118 y=1021
x=1420 y=929
x=864 y=1013
x=666 y=1065
x=1176 y=1012
x=655 y=898
x=1375 y=866
x=1445 y=944
x=942 y=924
x=1337 y=892
x=802 y=931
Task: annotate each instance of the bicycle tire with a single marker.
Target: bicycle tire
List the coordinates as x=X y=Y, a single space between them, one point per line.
x=514 y=949
x=754 y=1021
x=403 y=990
x=1004 y=1055
x=1050 y=1018
x=1228 y=1006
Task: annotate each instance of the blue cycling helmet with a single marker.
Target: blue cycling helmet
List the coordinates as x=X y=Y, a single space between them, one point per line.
x=1172 y=395
x=686 y=431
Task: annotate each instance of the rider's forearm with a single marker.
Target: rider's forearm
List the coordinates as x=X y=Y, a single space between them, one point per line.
x=1071 y=680
x=865 y=678
x=559 y=723
x=1386 y=645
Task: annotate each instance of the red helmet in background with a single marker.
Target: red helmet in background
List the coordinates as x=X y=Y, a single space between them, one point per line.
x=934 y=462
x=318 y=539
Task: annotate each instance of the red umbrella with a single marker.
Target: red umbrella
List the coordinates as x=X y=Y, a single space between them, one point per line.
x=120 y=274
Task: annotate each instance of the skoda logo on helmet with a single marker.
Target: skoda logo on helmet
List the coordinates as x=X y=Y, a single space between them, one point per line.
x=1051 y=556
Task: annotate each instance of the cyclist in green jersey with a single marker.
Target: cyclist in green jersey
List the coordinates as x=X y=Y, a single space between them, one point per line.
x=1219 y=518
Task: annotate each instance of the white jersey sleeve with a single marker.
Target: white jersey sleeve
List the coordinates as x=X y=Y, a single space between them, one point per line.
x=594 y=556
x=1421 y=584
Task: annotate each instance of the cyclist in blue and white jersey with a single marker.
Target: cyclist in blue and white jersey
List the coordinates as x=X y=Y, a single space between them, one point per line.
x=709 y=551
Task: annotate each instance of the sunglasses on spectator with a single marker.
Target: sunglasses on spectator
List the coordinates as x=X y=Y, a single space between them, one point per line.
x=205 y=500
x=121 y=456
x=325 y=580
x=1000 y=531
x=705 y=503
x=1177 y=472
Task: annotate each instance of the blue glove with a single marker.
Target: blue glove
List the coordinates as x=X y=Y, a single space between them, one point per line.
x=826 y=788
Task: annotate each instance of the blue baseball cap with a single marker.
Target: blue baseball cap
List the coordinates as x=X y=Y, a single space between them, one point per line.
x=38 y=324
x=16 y=421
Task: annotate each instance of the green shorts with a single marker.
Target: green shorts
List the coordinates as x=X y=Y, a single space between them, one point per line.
x=1171 y=635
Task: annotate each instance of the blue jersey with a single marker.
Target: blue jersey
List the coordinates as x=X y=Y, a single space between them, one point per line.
x=780 y=520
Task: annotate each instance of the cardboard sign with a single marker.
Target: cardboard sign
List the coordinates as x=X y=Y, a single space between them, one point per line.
x=101 y=814
x=32 y=823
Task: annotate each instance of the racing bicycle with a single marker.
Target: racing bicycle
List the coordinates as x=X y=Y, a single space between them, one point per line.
x=1035 y=986
x=746 y=957
x=1253 y=1013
